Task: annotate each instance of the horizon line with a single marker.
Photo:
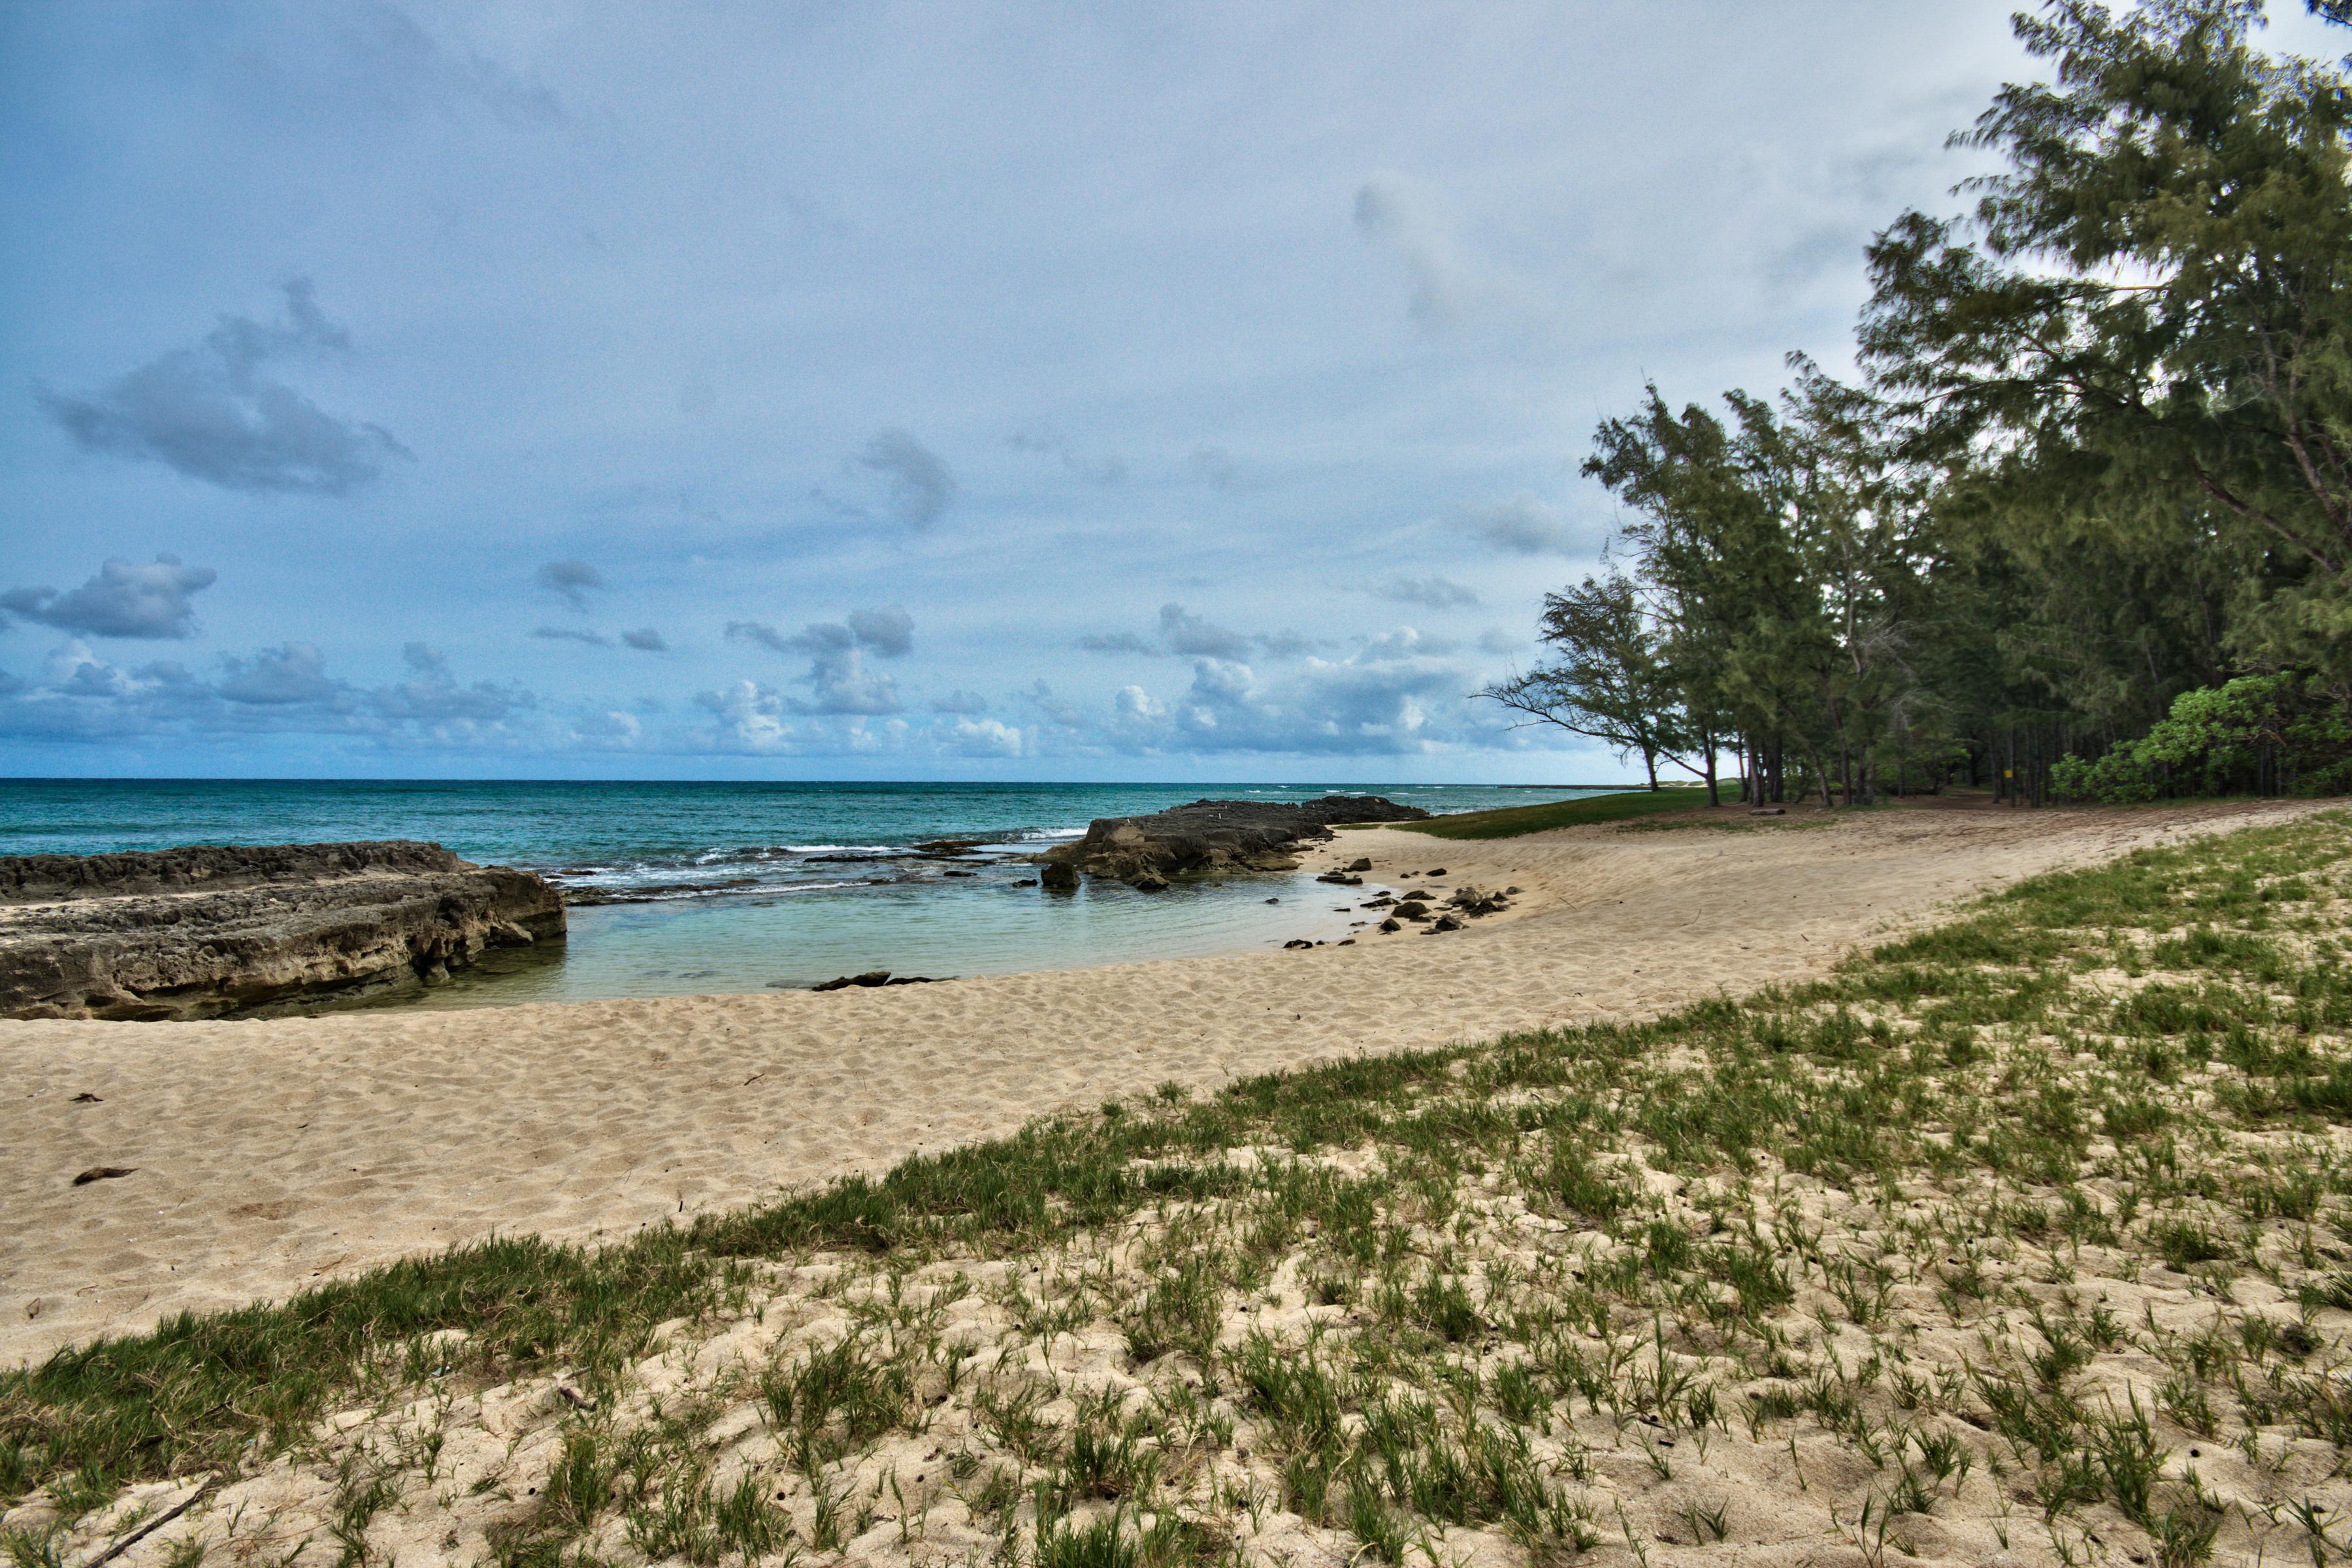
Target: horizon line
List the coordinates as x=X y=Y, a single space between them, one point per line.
x=964 y=783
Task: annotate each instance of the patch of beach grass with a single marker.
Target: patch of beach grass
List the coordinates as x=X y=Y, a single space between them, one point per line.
x=2031 y=1234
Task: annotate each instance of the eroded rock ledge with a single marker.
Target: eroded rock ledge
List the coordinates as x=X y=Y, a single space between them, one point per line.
x=1211 y=836
x=198 y=932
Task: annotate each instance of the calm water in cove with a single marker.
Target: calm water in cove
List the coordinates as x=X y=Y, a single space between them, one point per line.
x=682 y=889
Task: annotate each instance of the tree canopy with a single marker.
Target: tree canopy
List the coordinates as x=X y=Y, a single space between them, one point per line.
x=2100 y=457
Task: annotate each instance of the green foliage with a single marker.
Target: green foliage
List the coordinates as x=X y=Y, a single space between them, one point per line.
x=2149 y=317
x=2099 y=477
x=2269 y=732
x=1610 y=678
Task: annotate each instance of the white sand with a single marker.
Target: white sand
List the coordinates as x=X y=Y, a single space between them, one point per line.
x=272 y=1154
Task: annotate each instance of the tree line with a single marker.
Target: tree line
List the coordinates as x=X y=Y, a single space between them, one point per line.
x=2082 y=524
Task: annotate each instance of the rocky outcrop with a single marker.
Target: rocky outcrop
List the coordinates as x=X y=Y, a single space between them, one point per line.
x=1211 y=836
x=198 y=932
x=871 y=978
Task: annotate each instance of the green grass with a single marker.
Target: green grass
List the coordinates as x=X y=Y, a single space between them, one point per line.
x=1868 y=1220
x=1513 y=821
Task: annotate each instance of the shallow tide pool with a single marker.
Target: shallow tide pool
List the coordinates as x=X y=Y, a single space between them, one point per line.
x=983 y=924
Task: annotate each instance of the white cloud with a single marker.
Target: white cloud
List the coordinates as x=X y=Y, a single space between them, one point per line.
x=888 y=631
x=292 y=672
x=211 y=413
x=837 y=678
x=747 y=717
x=986 y=737
x=121 y=601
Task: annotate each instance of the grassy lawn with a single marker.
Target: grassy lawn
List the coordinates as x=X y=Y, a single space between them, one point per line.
x=2025 y=1235
x=1512 y=821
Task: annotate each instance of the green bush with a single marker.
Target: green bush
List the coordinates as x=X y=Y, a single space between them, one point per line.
x=2272 y=733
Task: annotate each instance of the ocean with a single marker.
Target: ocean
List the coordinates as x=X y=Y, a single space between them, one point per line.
x=690 y=888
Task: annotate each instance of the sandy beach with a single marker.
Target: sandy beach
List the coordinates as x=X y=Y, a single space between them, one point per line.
x=267 y=1155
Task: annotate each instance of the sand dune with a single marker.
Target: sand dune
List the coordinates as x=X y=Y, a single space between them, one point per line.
x=267 y=1155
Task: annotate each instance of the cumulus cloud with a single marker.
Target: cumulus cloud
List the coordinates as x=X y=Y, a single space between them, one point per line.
x=1132 y=704
x=1188 y=635
x=1400 y=694
x=1430 y=593
x=1060 y=709
x=960 y=701
x=288 y=673
x=79 y=696
x=888 y=631
x=282 y=690
x=1405 y=643
x=759 y=632
x=1181 y=632
x=839 y=682
x=644 y=640
x=746 y=717
x=837 y=678
x=1522 y=524
x=571 y=580
x=73 y=669
x=986 y=738
x=1348 y=707
x=123 y=601
x=431 y=695
x=920 y=485
x=211 y=413
x=572 y=634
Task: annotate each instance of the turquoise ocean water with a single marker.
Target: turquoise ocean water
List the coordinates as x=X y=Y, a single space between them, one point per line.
x=685 y=888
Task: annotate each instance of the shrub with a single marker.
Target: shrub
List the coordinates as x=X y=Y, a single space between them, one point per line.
x=2280 y=733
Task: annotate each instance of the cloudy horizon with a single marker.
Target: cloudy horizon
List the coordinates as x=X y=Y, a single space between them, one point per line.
x=941 y=391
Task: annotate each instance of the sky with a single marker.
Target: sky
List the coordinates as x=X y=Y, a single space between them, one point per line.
x=885 y=390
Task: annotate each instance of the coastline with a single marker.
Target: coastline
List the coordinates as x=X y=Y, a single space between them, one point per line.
x=683 y=890
x=270 y=1154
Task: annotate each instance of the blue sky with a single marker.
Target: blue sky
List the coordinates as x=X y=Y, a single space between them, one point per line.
x=883 y=391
